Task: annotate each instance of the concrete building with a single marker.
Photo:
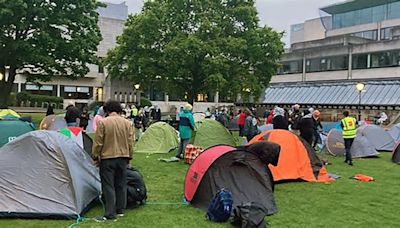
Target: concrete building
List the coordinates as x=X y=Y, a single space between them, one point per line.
x=354 y=41
x=93 y=86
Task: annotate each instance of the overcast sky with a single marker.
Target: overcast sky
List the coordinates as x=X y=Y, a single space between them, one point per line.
x=279 y=14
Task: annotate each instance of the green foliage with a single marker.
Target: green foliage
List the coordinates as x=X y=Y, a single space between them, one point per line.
x=38 y=99
x=145 y=102
x=197 y=47
x=12 y=99
x=43 y=39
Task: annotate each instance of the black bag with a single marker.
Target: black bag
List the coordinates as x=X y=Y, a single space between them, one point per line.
x=250 y=215
x=136 y=189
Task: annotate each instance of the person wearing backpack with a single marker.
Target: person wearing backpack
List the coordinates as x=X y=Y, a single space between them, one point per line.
x=186 y=126
x=250 y=128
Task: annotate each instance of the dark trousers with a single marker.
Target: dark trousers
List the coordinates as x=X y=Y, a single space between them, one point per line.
x=113 y=184
x=347 y=146
x=182 y=148
x=241 y=130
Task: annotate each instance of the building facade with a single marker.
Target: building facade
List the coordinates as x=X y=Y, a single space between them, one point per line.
x=353 y=42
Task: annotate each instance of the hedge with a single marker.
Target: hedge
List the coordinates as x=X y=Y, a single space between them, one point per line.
x=39 y=99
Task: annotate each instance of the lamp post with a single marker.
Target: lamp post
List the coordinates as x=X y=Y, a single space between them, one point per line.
x=360 y=87
x=137 y=95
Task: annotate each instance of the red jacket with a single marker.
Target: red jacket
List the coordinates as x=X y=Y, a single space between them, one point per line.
x=241 y=120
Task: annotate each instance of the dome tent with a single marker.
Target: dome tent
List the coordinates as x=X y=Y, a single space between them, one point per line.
x=53 y=123
x=361 y=148
x=11 y=129
x=8 y=114
x=45 y=175
x=79 y=136
x=233 y=169
x=395 y=132
x=211 y=133
x=378 y=137
x=297 y=160
x=396 y=154
x=159 y=138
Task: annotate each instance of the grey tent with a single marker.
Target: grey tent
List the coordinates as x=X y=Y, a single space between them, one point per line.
x=378 y=137
x=395 y=132
x=45 y=175
x=265 y=127
x=396 y=154
x=53 y=122
x=361 y=147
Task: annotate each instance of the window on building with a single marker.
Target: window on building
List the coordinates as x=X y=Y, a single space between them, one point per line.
x=394 y=10
x=292 y=67
x=385 y=59
x=386 y=33
x=77 y=92
x=327 y=64
x=40 y=90
x=371 y=35
x=360 y=61
x=101 y=69
x=363 y=16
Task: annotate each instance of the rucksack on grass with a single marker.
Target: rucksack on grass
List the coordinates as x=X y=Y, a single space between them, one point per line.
x=220 y=208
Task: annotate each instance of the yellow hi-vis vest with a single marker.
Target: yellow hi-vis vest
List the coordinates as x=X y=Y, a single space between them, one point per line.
x=349 y=128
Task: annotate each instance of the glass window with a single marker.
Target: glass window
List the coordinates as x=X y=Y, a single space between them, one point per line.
x=378 y=13
x=70 y=89
x=360 y=61
x=394 y=10
x=35 y=87
x=386 y=34
x=292 y=67
x=338 y=63
x=327 y=64
x=385 y=59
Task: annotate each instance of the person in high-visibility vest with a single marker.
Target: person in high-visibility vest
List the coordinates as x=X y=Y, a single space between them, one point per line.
x=349 y=132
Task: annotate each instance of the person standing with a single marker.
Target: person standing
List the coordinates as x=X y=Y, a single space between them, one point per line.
x=294 y=119
x=241 y=121
x=250 y=128
x=349 y=132
x=317 y=127
x=98 y=117
x=84 y=119
x=279 y=121
x=223 y=118
x=306 y=127
x=72 y=115
x=50 y=110
x=112 y=150
x=186 y=126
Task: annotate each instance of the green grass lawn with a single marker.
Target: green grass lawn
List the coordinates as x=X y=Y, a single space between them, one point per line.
x=344 y=203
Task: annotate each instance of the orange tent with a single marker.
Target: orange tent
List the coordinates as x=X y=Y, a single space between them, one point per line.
x=297 y=160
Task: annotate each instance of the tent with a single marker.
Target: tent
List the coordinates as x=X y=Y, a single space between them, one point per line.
x=211 y=133
x=159 y=138
x=266 y=127
x=198 y=116
x=378 y=137
x=395 y=132
x=45 y=175
x=11 y=129
x=6 y=114
x=53 y=122
x=79 y=136
x=226 y=167
x=361 y=147
x=297 y=160
x=396 y=154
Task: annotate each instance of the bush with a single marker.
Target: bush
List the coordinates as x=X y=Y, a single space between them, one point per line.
x=145 y=102
x=38 y=99
x=12 y=100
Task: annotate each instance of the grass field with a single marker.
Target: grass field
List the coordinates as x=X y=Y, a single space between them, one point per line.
x=344 y=203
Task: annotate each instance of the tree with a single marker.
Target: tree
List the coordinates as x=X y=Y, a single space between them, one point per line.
x=43 y=39
x=197 y=46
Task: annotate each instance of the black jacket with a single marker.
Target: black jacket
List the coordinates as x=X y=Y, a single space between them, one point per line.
x=280 y=122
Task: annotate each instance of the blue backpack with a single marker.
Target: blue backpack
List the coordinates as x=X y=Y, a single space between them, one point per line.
x=220 y=208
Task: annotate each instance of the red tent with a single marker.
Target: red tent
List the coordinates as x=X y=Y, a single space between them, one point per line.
x=233 y=169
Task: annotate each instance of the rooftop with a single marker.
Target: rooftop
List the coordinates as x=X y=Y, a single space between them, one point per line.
x=352 y=5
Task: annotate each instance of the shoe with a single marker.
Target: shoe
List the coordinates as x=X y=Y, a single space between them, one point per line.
x=345 y=161
x=121 y=215
x=351 y=163
x=104 y=219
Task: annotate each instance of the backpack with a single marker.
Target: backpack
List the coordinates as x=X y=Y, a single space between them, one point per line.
x=250 y=215
x=220 y=208
x=136 y=188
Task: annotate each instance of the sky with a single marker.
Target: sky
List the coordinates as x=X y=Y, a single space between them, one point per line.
x=278 y=14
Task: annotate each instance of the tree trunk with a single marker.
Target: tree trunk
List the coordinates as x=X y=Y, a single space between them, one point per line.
x=6 y=87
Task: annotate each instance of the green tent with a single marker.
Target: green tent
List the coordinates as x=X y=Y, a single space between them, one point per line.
x=11 y=129
x=159 y=138
x=211 y=133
